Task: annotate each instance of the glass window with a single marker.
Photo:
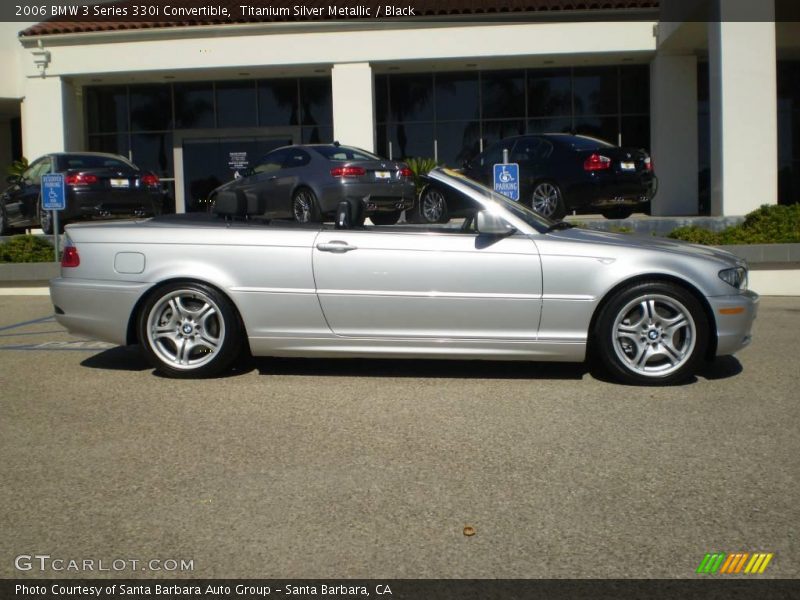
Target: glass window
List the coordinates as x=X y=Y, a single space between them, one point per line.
x=316 y=101
x=457 y=96
x=494 y=153
x=151 y=107
x=585 y=143
x=595 y=91
x=296 y=158
x=278 y=102
x=90 y=161
x=194 y=106
x=272 y=162
x=457 y=141
x=529 y=149
x=411 y=139
x=635 y=88
x=549 y=93
x=107 y=109
x=503 y=94
x=115 y=143
x=636 y=132
x=603 y=128
x=381 y=98
x=411 y=97
x=236 y=104
x=497 y=130
x=153 y=152
x=563 y=125
x=317 y=135
x=345 y=153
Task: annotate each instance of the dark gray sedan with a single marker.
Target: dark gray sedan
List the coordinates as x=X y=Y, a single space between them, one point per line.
x=307 y=183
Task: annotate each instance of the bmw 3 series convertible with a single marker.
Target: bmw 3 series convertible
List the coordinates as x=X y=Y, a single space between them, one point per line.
x=197 y=291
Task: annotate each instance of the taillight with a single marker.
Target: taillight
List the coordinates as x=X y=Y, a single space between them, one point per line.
x=406 y=172
x=80 y=179
x=648 y=164
x=348 y=171
x=597 y=162
x=150 y=180
x=70 y=257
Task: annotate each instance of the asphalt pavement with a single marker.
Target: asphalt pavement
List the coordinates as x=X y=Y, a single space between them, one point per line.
x=373 y=468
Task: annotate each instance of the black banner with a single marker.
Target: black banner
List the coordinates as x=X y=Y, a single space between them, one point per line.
x=403 y=589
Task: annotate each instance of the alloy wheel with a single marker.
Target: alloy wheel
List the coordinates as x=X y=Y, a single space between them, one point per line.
x=545 y=199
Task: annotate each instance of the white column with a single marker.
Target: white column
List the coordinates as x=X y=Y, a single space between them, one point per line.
x=353 y=105
x=743 y=107
x=673 y=129
x=43 y=126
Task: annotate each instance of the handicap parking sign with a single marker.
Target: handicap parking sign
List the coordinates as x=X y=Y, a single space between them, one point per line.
x=506 y=180
x=53 y=197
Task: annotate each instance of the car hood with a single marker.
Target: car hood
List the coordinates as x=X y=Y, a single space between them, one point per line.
x=627 y=240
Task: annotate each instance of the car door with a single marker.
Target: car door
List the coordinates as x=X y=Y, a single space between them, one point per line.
x=23 y=196
x=532 y=154
x=392 y=283
x=263 y=183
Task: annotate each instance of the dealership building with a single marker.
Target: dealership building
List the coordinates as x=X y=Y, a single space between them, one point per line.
x=715 y=97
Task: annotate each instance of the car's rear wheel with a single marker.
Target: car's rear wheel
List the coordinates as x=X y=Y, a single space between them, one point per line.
x=4 y=228
x=386 y=218
x=46 y=221
x=305 y=208
x=189 y=329
x=546 y=199
x=432 y=206
x=618 y=212
x=652 y=333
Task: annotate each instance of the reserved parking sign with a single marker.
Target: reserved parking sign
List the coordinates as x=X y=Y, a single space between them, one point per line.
x=53 y=196
x=506 y=180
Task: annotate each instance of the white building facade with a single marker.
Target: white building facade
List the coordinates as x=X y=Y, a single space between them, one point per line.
x=717 y=103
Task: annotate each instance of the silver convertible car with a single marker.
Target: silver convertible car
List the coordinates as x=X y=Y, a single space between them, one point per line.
x=197 y=291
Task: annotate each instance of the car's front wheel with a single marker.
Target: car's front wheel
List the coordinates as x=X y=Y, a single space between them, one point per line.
x=47 y=223
x=652 y=333
x=189 y=329
x=305 y=208
x=546 y=199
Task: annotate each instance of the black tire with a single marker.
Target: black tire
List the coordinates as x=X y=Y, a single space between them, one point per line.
x=196 y=315
x=386 y=218
x=651 y=333
x=305 y=208
x=431 y=207
x=46 y=221
x=547 y=200
x=618 y=212
x=4 y=228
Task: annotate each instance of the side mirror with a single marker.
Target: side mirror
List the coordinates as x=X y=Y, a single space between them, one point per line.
x=488 y=223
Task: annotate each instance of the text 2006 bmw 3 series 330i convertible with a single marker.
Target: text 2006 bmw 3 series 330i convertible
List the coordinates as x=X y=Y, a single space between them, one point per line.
x=198 y=291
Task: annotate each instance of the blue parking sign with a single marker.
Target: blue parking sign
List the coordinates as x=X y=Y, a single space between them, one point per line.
x=53 y=196
x=506 y=180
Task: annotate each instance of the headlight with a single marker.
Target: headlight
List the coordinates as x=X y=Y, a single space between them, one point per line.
x=736 y=277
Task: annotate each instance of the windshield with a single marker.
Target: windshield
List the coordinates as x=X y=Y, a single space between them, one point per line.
x=519 y=210
x=344 y=153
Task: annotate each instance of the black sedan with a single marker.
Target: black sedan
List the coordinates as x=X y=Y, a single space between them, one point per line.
x=97 y=185
x=307 y=182
x=559 y=174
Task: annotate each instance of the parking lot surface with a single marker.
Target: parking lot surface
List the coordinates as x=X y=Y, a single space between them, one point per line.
x=373 y=468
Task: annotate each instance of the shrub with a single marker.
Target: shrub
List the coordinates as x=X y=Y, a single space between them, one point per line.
x=770 y=224
x=420 y=167
x=26 y=249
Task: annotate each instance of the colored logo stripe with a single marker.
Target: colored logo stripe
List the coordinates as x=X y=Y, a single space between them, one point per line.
x=734 y=563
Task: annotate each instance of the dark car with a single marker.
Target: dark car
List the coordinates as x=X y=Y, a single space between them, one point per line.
x=307 y=182
x=559 y=174
x=97 y=186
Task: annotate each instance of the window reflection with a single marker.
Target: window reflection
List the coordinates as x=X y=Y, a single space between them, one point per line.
x=457 y=96
x=236 y=104
x=194 y=105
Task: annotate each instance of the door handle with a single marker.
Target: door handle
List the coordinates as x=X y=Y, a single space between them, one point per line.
x=336 y=246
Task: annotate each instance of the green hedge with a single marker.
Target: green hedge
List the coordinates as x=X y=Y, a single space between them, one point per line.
x=770 y=224
x=26 y=249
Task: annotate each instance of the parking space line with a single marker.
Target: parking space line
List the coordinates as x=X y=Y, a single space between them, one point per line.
x=31 y=322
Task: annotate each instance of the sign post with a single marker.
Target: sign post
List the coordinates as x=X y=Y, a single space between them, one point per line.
x=54 y=199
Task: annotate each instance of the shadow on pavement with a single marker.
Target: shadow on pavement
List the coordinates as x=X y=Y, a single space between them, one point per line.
x=121 y=358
